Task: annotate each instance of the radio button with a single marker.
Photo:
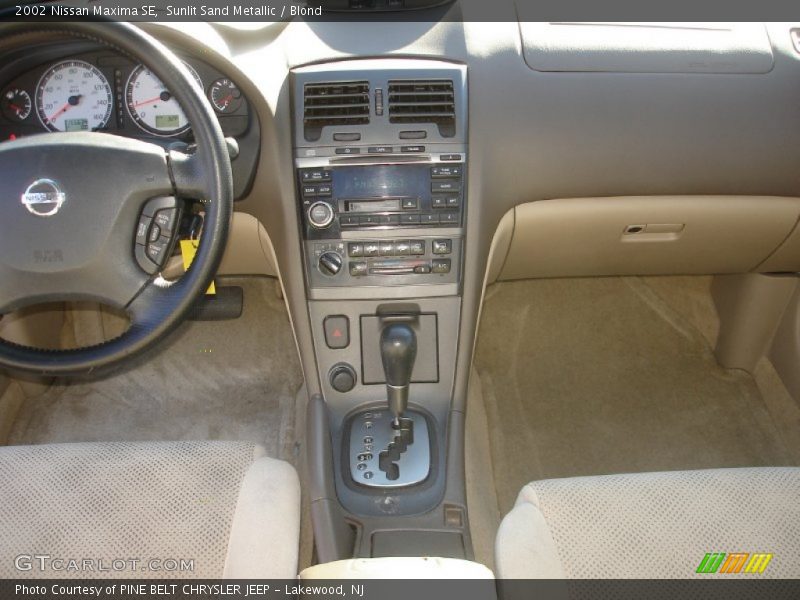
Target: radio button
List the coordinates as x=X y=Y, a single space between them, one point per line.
x=316 y=175
x=450 y=157
x=355 y=249
x=346 y=137
x=445 y=186
x=386 y=248
x=380 y=149
x=371 y=249
x=449 y=217
x=320 y=215
x=453 y=201
x=348 y=150
x=409 y=219
x=429 y=218
x=348 y=221
x=439 y=201
x=409 y=203
x=324 y=190
x=358 y=269
x=446 y=171
x=416 y=149
x=368 y=220
x=309 y=190
x=442 y=246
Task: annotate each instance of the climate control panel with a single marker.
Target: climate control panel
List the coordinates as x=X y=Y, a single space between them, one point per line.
x=384 y=262
x=400 y=257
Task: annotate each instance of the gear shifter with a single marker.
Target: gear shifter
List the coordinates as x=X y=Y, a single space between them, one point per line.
x=398 y=352
x=392 y=449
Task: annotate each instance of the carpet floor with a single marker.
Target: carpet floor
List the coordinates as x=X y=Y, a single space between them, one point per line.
x=612 y=375
x=214 y=380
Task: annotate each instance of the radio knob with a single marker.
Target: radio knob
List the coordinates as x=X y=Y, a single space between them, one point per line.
x=330 y=263
x=320 y=215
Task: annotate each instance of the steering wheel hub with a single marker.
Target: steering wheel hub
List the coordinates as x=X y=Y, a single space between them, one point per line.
x=43 y=198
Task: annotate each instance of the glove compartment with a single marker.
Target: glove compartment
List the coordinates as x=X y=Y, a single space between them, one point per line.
x=650 y=235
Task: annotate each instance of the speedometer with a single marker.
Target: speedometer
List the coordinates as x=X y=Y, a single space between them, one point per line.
x=73 y=96
x=152 y=106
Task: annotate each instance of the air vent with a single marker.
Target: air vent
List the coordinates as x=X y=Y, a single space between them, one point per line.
x=423 y=101
x=338 y=103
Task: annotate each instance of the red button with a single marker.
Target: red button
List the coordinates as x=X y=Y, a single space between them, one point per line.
x=337 y=331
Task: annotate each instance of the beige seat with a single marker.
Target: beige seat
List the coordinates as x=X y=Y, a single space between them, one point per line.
x=654 y=525
x=223 y=508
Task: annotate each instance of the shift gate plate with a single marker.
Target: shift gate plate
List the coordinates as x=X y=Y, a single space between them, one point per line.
x=371 y=432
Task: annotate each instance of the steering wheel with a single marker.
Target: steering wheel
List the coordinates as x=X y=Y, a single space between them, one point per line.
x=89 y=215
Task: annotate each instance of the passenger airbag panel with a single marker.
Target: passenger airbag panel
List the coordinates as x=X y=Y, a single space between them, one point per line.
x=646 y=47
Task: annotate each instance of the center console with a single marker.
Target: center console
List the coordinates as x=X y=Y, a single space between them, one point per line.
x=382 y=202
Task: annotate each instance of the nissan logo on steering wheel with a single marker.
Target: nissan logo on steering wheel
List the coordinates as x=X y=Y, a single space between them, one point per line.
x=43 y=198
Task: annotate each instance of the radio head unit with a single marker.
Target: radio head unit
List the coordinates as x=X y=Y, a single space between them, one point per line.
x=336 y=199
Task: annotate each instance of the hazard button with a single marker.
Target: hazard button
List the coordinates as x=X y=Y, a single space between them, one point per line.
x=337 y=331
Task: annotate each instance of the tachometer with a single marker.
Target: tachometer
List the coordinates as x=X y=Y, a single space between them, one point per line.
x=152 y=106
x=73 y=96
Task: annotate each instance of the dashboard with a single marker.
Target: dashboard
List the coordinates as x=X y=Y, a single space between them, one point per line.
x=77 y=87
x=387 y=188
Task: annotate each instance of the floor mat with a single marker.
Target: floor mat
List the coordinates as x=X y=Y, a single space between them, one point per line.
x=597 y=376
x=222 y=380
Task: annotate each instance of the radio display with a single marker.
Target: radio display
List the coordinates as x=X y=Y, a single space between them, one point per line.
x=380 y=181
x=369 y=206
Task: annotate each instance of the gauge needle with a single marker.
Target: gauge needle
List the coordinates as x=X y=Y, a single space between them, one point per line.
x=227 y=99
x=163 y=96
x=59 y=112
x=143 y=102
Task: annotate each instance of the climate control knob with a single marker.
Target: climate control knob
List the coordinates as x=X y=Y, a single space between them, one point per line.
x=330 y=263
x=320 y=215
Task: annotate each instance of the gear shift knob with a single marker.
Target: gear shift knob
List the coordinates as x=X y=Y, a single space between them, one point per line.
x=398 y=352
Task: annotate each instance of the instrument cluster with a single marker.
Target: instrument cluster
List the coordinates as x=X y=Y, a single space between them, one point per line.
x=104 y=91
